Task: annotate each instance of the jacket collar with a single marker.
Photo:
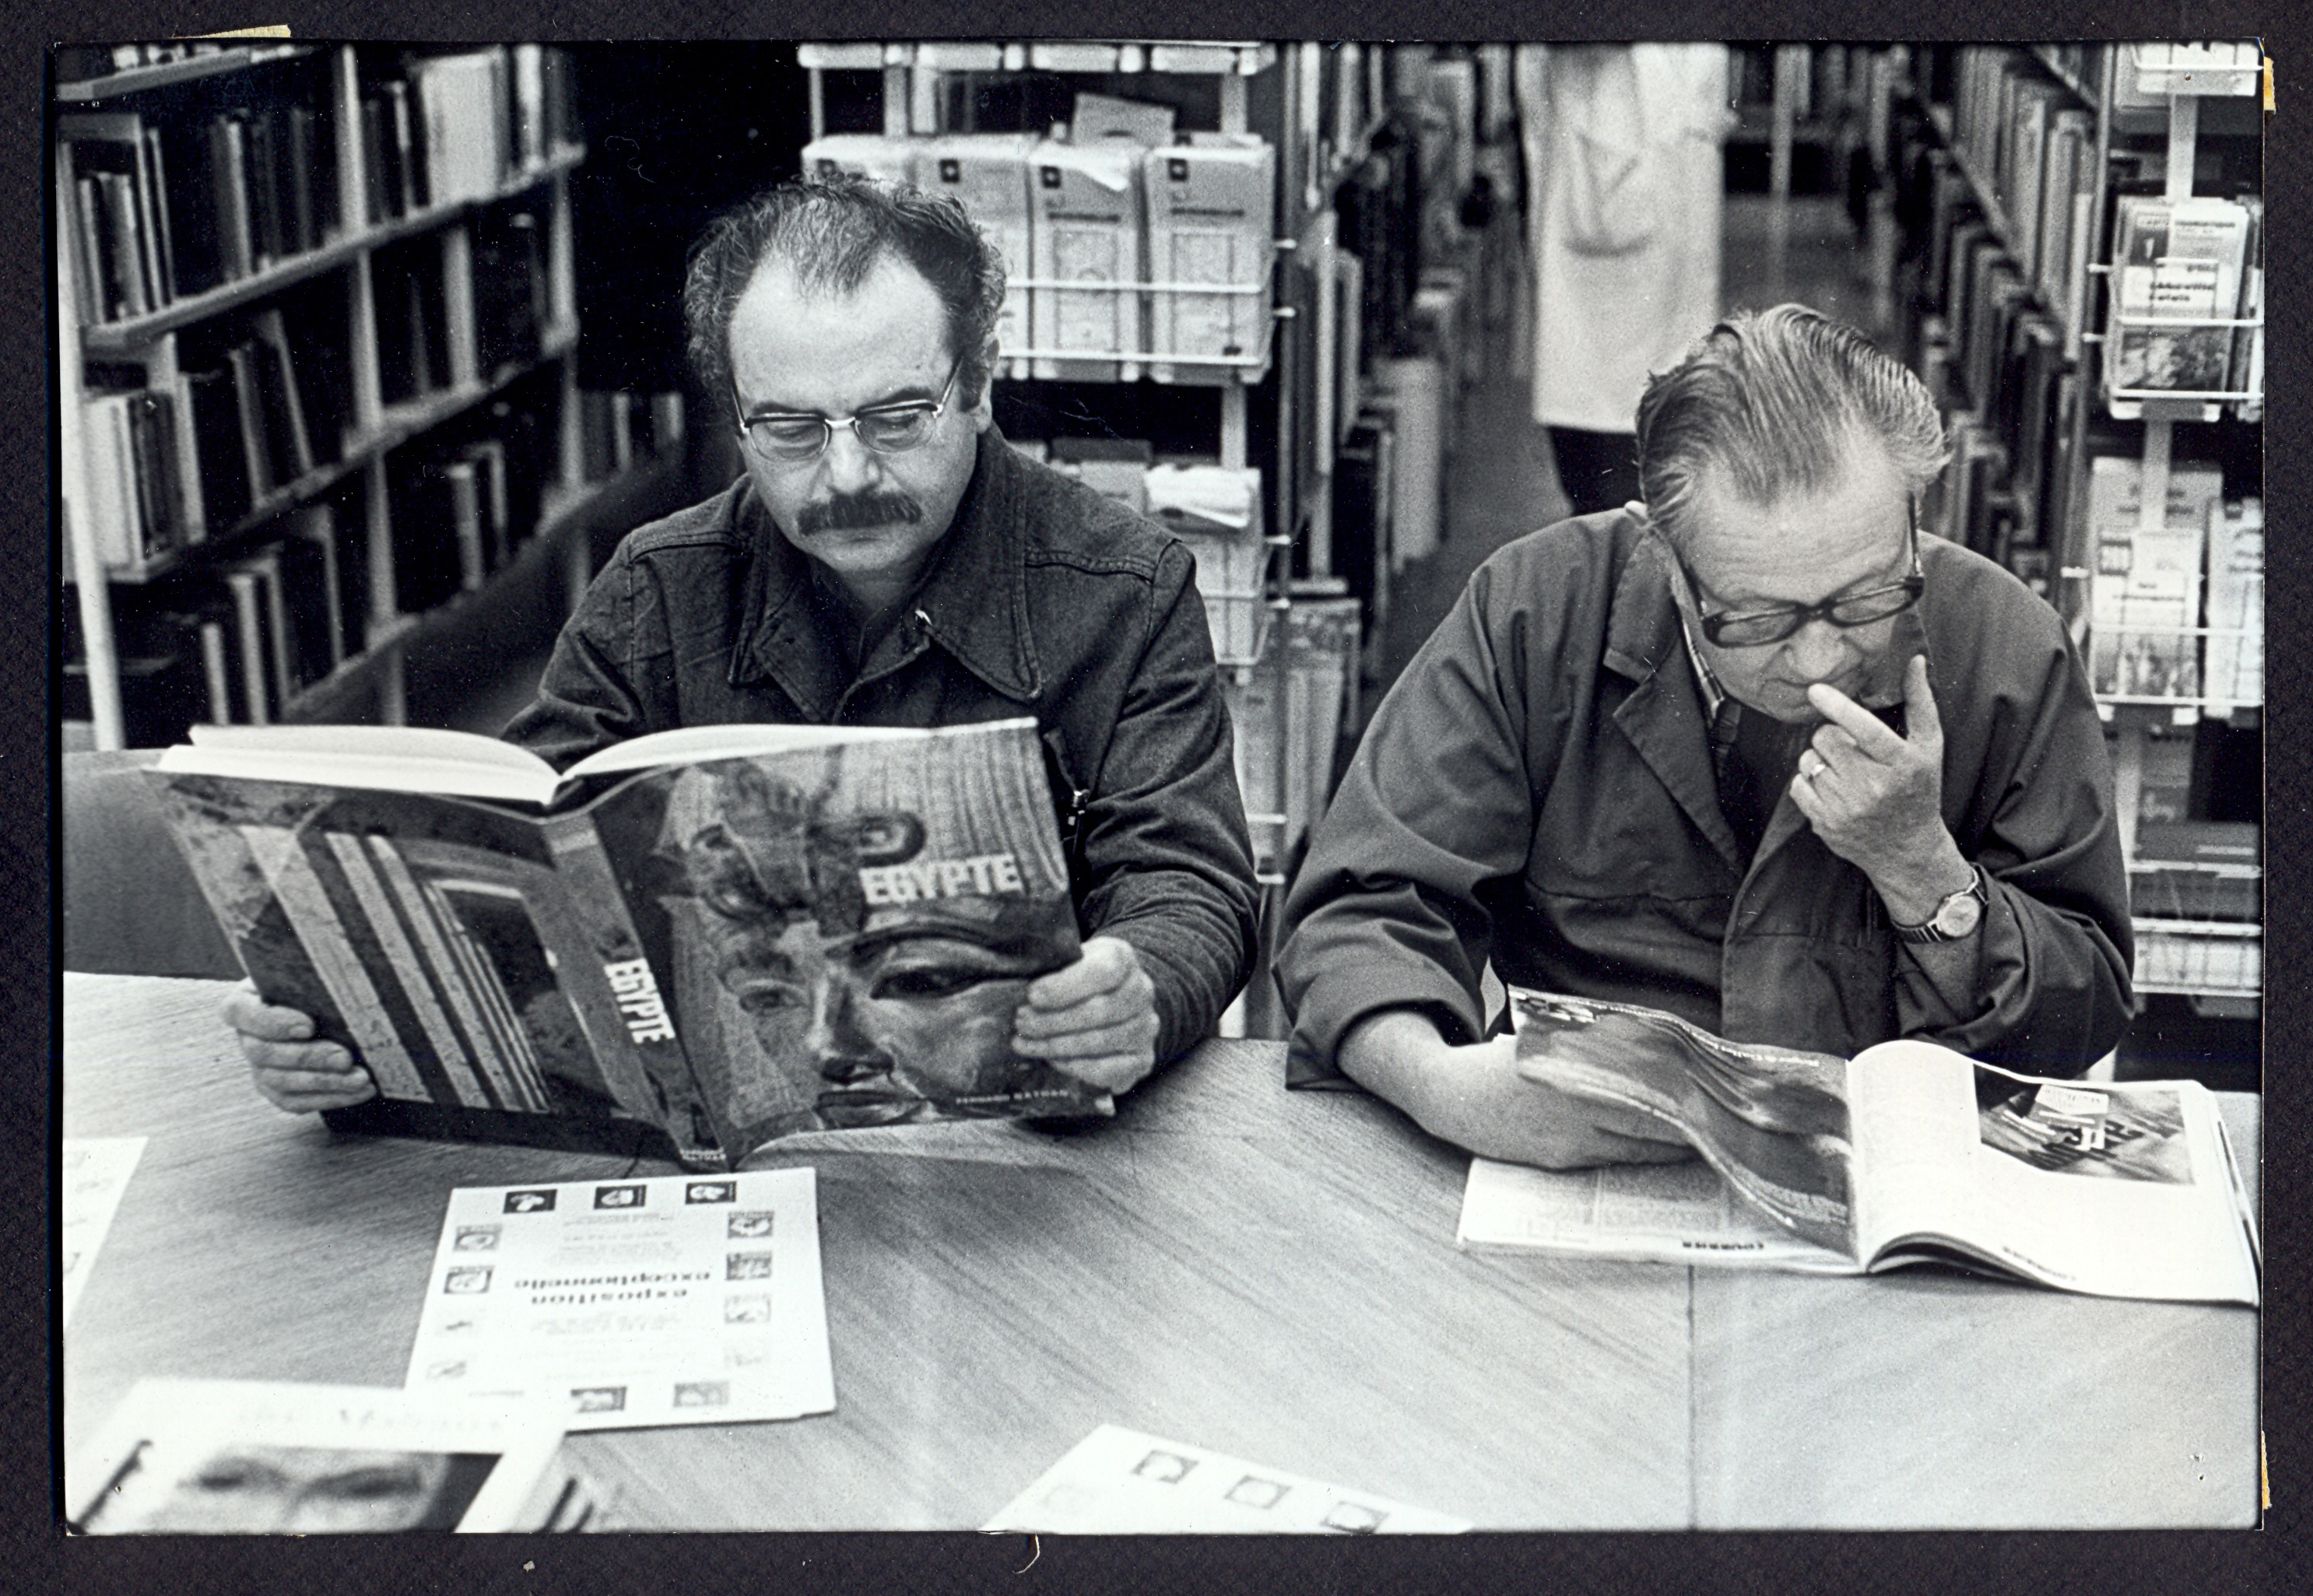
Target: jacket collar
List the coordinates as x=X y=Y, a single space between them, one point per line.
x=1663 y=716
x=973 y=603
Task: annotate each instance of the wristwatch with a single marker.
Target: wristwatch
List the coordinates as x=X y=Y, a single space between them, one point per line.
x=1958 y=915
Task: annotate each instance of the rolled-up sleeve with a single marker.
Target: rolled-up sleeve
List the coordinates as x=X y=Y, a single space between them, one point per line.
x=1390 y=908
x=2053 y=985
x=1167 y=862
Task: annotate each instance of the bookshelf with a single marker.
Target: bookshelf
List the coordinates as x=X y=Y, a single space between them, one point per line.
x=317 y=382
x=2084 y=273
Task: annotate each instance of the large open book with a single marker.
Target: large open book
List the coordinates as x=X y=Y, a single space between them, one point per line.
x=721 y=934
x=1908 y=1152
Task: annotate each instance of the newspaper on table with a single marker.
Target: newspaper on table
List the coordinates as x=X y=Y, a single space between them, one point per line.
x=1907 y=1153
x=627 y=1303
x=1117 y=1481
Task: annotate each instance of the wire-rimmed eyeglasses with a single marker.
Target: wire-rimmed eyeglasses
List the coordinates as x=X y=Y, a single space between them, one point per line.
x=796 y=438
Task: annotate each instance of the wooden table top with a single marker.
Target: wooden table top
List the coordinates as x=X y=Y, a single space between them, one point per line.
x=1264 y=1273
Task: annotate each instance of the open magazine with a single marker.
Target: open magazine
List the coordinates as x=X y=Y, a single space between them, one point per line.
x=719 y=936
x=1908 y=1152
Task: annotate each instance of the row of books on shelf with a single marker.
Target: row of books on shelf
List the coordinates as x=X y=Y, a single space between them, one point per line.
x=167 y=205
x=242 y=412
x=2034 y=144
x=460 y=127
x=1120 y=237
x=236 y=409
x=164 y=210
x=242 y=638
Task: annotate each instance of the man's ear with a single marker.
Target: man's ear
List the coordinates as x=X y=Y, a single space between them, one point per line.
x=983 y=412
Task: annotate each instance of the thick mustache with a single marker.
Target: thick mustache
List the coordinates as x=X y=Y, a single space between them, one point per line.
x=885 y=508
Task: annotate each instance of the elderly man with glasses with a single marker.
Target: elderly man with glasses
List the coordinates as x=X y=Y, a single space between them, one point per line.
x=1753 y=751
x=887 y=560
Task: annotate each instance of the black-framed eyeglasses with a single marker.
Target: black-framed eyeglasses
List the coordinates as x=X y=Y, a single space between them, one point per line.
x=795 y=438
x=1758 y=628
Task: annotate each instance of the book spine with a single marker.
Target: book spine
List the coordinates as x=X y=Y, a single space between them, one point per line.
x=125 y=243
x=636 y=1044
x=249 y=412
x=466 y=518
x=157 y=193
x=215 y=672
x=249 y=627
x=229 y=166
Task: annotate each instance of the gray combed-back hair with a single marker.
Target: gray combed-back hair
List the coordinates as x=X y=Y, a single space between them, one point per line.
x=834 y=233
x=1773 y=401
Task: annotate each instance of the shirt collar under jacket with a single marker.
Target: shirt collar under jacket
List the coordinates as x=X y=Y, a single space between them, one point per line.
x=973 y=602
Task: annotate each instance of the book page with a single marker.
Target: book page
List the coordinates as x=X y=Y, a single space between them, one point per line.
x=679 y=1299
x=1667 y=1212
x=2112 y=1188
x=692 y=745
x=1117 y=1481
x=96 y=1171
x=1773 y=1121
x=385 y=759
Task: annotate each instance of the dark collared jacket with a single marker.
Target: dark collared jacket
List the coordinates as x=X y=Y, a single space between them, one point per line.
x=1537 y=789
x=1043 y=600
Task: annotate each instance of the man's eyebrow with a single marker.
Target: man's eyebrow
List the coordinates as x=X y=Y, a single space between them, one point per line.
x=915 y=394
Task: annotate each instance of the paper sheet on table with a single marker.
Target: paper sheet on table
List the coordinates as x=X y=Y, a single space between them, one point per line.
x=680 y=1300
x=96 y=1170
x=1669 y=1213
x=1121 y=1482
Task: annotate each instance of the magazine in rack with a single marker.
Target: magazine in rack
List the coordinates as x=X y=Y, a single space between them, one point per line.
x=1908 y=1152
x=718 y=936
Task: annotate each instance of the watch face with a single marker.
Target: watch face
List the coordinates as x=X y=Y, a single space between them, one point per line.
x=1959 y=913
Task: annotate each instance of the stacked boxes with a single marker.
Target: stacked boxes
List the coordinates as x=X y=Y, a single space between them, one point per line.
x=1208 y=208
x=1084 y=228
x=861 y=155
x=1216 y=512
x=988 y=174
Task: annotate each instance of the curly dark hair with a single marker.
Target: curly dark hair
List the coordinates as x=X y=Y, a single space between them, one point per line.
x=835 y=232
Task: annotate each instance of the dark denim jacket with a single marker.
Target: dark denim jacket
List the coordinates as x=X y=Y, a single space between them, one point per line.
x=1044 y=599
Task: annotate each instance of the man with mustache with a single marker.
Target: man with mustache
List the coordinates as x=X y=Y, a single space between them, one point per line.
x=887 y=560
x=1754 y=751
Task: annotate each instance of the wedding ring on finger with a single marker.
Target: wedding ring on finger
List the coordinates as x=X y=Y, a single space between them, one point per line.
x=1811 y=764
